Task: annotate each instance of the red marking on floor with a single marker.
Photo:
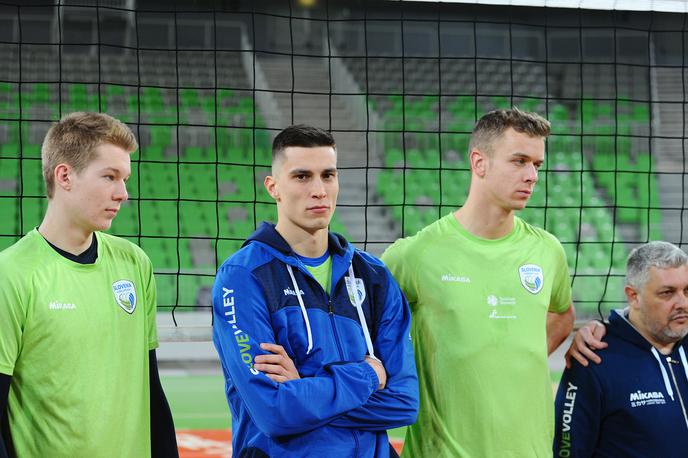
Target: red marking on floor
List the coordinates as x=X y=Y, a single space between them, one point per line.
x=217 y=443
x=209 y=443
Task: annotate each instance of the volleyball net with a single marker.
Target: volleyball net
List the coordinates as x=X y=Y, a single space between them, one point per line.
x=399 y=84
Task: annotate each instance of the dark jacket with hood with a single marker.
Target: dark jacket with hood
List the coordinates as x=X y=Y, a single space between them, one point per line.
x=264 y=293
x=633 y=404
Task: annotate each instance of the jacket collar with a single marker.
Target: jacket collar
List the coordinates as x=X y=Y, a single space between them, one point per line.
x=621 y=327
x=266 y=234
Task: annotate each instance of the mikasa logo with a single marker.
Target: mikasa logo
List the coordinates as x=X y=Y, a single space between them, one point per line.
x=639 y=398
x=291 y=292
x=61 y=306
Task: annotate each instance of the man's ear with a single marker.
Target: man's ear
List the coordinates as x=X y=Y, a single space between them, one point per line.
x=63 y=176
x=271 y=187
x=631 y=296
x=478 y=161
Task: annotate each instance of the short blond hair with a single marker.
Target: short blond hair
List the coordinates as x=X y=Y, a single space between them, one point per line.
x=492 y=125
x=75 y=137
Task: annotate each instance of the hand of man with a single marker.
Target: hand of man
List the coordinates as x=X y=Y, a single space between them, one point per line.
x=278 y=367
x=379 y=370
x=587 y=339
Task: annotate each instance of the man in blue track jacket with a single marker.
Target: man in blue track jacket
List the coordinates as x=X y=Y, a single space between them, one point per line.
x=312 y=334
x=634 y=403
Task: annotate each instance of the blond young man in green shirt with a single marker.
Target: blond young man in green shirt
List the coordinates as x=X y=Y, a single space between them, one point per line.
x=78 y=373
x=490 y=297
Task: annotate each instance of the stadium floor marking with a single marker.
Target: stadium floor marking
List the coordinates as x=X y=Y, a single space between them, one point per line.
x=217 y=443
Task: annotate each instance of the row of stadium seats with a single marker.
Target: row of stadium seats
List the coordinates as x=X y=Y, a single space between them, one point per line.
x=458 y=114
x=178 y=201
x=587 y=184
x=45 y=101
x=148 y=67
x=468 y=75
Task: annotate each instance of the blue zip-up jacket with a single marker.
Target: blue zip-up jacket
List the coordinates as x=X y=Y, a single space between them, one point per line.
x=631 y=405
x=334 y=409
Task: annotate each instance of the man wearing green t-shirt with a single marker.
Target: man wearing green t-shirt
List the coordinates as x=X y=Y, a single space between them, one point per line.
x=490 y=297
x=78 y=372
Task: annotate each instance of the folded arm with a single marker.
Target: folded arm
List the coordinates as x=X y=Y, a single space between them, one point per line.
x=241 y=323
x=397 y=404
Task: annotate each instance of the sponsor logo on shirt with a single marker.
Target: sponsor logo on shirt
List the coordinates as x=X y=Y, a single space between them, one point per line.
x=455 y=278
x=125 y=295
x=647 y=398
x=532 y=277
x=569 y=404
x=494 y=315
x=54 y=305
x=496 y=301
x=291 y=292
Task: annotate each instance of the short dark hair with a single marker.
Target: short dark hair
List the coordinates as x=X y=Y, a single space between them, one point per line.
x=303 y=136
x=493 y=124
x=658 y=254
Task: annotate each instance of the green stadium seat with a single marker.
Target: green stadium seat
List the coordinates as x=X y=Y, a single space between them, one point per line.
x=32 y=178
x=161 y=251
x=412 y=221
x=266 y=212
x=9 y=212
x=127 y=220
x=158 y=180
x=167 y=288
x=33 y=209
x=394 y=157
x=225 y=248
x=587 y=291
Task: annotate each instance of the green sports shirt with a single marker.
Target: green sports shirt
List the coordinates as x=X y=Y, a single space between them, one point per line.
x=479 y=329
x=323 y=273
x=75 y=339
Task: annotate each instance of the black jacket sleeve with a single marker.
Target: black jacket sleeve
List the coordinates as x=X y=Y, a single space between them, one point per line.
x=4 y=421
x=163 y=438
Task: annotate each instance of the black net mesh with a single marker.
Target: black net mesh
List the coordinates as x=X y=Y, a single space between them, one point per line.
x=400 y=85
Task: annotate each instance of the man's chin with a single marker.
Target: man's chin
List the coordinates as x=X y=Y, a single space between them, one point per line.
x=103 y=226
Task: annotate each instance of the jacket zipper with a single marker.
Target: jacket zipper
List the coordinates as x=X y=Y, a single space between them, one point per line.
x=330 y=309
x=678 y=392
x=334 y=327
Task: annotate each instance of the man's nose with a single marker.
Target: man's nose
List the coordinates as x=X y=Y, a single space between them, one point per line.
x=531 y=173
x=121 y=193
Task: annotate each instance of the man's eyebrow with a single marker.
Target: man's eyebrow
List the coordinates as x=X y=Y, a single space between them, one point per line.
x=520 y=155
x=111 y=169
x=310 y=172
x=300 y=172
x=114 y=170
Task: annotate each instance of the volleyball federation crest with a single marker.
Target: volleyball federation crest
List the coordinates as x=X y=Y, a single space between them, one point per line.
x=531 y=277
x=356 y=290
x=125 y=295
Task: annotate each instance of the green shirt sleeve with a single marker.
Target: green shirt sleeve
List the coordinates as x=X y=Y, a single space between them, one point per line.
x=12 y=320
x=151 y=304
x=396 y=258
x=561 y=288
